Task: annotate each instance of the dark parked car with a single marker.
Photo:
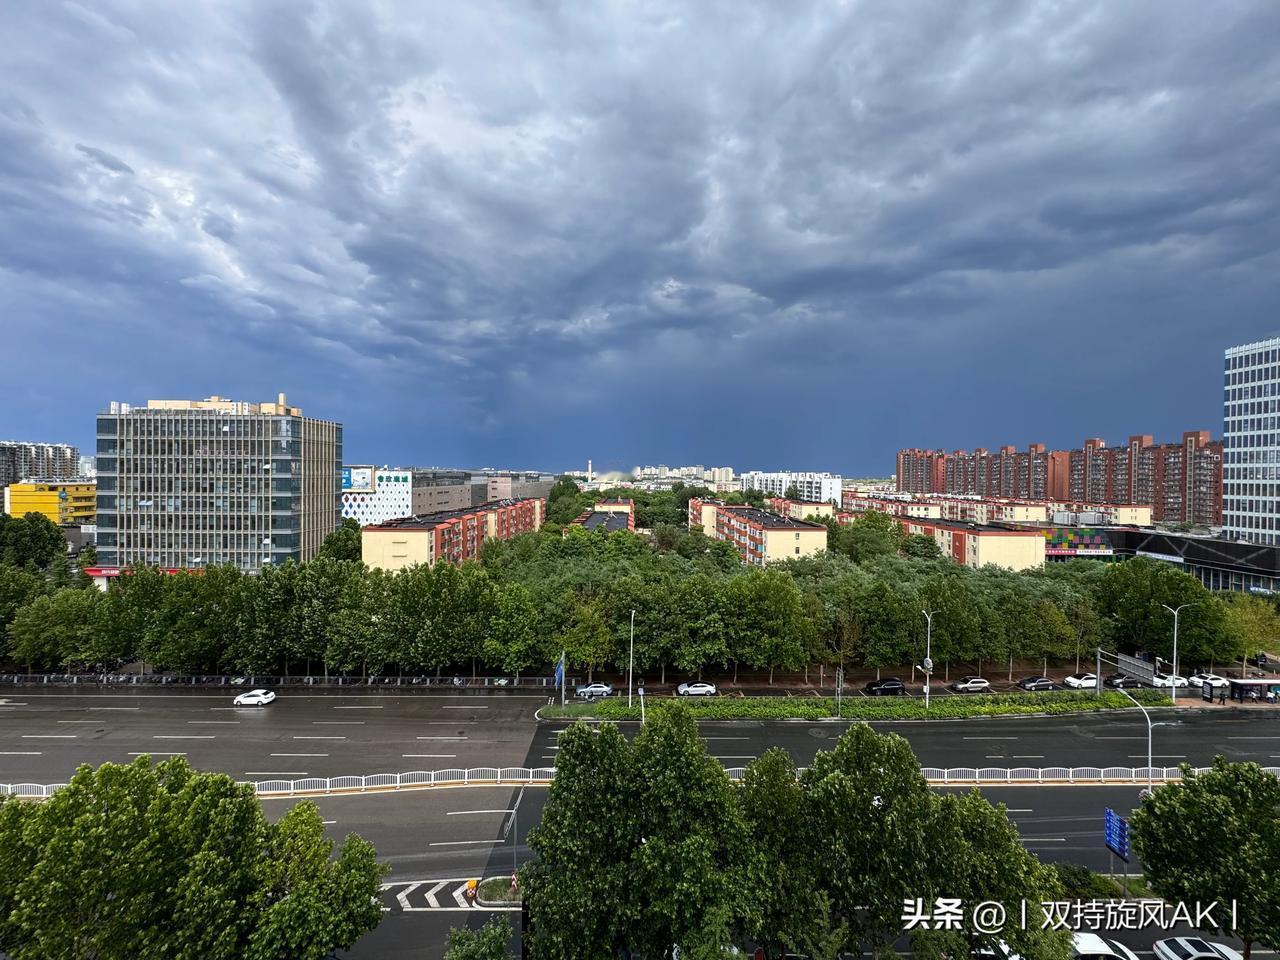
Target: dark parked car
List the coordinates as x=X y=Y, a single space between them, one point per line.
x=888 y=687
x=1122 y=681
x=1260 y=660
x=1036 y=683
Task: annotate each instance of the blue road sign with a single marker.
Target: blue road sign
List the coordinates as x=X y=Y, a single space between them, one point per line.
x=1116 y=834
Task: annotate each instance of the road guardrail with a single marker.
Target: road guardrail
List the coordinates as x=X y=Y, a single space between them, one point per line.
x=541 y=776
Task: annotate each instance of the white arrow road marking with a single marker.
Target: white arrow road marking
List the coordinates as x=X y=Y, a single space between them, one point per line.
x=460 y=896
x=431 y=894
x=403 y=897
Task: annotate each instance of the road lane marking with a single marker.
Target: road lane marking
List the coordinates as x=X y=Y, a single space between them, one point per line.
x=114 y=708
x=213 y=721
x=357 y=708
x=464 y=708
x=748 y=757
x=461 y=843
x=1028 y=756
x=726 y=738
x=1253 y=738
x=79 y=721
x=1119 y=738
x=275 y=773
x=49 y=736
x=318 y=738
x=1158 y=756
x=454 y=739
x=433 y=756
x=183 y=736
x=157 y=753
x=338 y=722
x=1044 y=839
x=328 y=822
x=991 y=738
x=1018 y=809
x=21 y=753
x=299 y=754
x=465 y=813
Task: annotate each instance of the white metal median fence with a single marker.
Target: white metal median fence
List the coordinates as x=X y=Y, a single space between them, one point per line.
x=534 y=776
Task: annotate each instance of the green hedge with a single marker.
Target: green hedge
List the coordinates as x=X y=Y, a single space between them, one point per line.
x=866 y=708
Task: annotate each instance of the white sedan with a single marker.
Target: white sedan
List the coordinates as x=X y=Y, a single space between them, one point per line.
x=1081 y=681
x=1212 y=679
x=1090 y=946
x=592 y=690
x=1192 y=948
x=698 y=689
x=1168 y=680
x=254 y=698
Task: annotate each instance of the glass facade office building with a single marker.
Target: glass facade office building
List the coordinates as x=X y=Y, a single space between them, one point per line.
x=1251 y=442
x=188 y=484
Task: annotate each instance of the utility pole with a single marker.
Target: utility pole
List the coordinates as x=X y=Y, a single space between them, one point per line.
x=631 y=662
x=1173 y=680
x=928 y=653
x=1149 y=729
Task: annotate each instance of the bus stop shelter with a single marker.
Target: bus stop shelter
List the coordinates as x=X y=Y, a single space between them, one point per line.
x=1246 y=691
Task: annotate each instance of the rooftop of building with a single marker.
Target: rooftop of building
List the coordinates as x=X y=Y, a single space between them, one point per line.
x=602 y=520
x=58 y=481
x=617 y=501
x=979 y=528
x=429 y=521
x=214 y=404
x=772 y=521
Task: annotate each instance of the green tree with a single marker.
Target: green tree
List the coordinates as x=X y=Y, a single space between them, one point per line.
x=343 y=543
x=871 y=534
x=56 y=629
x=576 y=889
x=487 y=943
x=1253 y=619
x=17 y=589
x=1226 y=845
x=792 y=493
x=32 y=540
x=151 y=861
x=921 y=547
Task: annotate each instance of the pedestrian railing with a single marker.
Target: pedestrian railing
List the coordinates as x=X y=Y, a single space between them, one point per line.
x=534 y=776
x=245 y=680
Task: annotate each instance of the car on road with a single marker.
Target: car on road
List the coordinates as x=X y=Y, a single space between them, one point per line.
x=1200 y=678
x=254 y=698
x=885 y=687
x=590 y=690
x=1122 y=681
x=1082 y=681
x=1036 y=683
x=971 y=685
x=1192 y=948
x=1168 y=680
x=1090 y=946
x=697 y=689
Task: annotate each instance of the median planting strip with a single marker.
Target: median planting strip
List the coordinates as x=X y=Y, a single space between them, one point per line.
x=868 y=708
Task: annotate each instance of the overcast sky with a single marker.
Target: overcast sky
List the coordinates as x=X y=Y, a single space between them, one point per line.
x=798 y=235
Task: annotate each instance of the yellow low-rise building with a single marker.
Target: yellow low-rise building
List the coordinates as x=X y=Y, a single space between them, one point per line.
x=65 y=502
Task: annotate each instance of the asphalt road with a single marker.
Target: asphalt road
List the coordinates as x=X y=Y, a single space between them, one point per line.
x=44 y=735
x=435 y=840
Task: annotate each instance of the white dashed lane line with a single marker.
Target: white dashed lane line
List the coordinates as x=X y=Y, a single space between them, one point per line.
x=49 y=736
x=430 y=756
x=183 y=736
x=21 y=753
x=318 y=738
x=357 y=708
x=157 y=753
x=213 y=721
x=299 y=754
x=344 y=723
x=275 y=773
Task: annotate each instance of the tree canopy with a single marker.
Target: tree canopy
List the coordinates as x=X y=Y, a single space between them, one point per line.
x=149 y=861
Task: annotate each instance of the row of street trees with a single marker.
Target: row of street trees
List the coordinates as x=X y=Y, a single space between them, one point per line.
x=647 y=846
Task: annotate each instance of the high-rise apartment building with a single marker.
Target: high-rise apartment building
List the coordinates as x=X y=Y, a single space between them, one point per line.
x=194 y=483
x=1251 y=441
x=1181 y=482
x=20 y=460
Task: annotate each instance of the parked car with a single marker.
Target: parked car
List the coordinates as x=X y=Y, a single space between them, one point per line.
x=1090 y=946
x=1200 y=678
x=697 y=689
x=597 y=689
x=1260 y=659
x=1122 y=681
x=971 y=685
x=1036 y=683
x=886 y=687
x=254 y=698
x=1192 y=948
x=1168 y=680
x=1082 y=681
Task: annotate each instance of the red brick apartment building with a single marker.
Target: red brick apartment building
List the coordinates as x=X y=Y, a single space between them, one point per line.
x=1181 y=482
x=450 y=535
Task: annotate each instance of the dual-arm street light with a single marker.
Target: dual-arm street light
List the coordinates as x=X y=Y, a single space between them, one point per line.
x=1173 y=680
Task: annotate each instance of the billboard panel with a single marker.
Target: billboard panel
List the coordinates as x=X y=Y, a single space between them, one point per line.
x=357 y=479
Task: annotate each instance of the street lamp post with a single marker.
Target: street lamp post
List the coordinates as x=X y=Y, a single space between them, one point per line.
x=1149 y=730
x=631 y=662
x=928 y=653
x=1173 y=680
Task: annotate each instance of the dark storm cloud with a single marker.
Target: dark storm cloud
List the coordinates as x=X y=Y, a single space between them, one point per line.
x=473 y=230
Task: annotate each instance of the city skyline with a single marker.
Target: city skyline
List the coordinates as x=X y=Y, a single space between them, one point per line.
x=913 y=228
